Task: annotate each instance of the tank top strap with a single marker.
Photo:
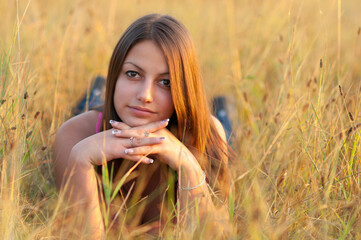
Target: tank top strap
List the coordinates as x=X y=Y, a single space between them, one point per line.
x=99 y=122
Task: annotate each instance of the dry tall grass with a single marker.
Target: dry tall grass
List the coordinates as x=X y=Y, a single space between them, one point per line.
x=289 y=69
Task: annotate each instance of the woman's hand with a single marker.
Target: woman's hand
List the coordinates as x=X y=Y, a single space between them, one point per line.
x=193 y=190
x=168 y=149
x=107 y=145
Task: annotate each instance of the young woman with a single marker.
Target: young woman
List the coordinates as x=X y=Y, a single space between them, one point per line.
x=156 y=116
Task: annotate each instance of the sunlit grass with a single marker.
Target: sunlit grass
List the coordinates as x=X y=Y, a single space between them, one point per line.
x=292 y=77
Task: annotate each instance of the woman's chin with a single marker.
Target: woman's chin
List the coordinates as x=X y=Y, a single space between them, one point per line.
x=136 y=122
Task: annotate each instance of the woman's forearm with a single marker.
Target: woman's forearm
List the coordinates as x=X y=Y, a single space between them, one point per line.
x=194 y=203
x=81 y=192
x=197 y=210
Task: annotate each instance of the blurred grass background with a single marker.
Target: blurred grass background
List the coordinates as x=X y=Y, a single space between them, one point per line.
x=289 y=69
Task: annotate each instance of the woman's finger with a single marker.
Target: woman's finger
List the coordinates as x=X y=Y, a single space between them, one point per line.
x=137 y=142
x=123 y=130
x=137 y=158
x=118 y=125
x=154 y=126
x=139 y=133
x=144 y=150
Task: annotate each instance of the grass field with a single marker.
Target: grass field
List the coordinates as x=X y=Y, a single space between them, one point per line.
x=288 y=68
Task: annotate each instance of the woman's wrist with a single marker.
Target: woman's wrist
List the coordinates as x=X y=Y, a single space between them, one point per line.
x=190 y=172
x=192 y=187
x=186 y=160
x=80 y=157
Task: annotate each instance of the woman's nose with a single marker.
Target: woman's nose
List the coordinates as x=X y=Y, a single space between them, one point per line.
x=145 y=93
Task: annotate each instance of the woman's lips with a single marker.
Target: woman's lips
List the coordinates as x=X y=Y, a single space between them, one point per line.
x=140 y=111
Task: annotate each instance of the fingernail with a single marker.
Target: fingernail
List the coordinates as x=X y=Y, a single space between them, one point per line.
x=112 y=121
x=116 y=131
x=162 y=138
x=148 y=160
x=126 y=151
x=165 y=120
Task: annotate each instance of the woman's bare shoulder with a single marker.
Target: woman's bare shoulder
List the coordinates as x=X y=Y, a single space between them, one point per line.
x=219 y=128
x=82 y=125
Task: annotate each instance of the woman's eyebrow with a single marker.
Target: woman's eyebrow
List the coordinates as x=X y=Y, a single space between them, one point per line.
x=141 y=69
x=134 y=65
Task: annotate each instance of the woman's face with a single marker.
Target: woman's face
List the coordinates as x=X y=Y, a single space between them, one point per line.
x=142 y=91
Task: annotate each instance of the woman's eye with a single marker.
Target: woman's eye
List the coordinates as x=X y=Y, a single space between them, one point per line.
x=165 y=82
x=132 y=74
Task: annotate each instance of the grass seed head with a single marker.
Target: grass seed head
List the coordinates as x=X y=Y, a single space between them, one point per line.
x=305 y=107
x=36 y=114
x=265 y=98
x=277 y=117
x=29 y=134
x=249 y=133
x=281 y=178
x=245 y=96
x=340 y=135
x=340 y=88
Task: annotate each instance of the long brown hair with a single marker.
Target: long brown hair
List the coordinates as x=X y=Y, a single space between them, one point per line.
x=192 y=115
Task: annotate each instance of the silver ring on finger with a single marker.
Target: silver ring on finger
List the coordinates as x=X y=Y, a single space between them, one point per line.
x=146 y=134
x=131 y=141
